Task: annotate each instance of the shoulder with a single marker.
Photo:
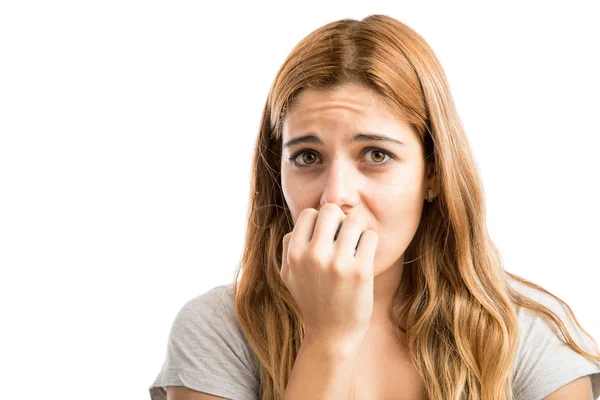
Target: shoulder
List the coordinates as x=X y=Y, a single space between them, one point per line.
x=207 y=350
x=214 y=303
x=209 y=321
x=544 y=363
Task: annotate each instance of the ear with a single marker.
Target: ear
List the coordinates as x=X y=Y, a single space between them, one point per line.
x=431 y=179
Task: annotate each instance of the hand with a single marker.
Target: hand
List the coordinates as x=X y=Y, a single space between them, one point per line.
x=331 y=280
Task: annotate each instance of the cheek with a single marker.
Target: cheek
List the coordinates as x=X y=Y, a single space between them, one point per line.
x=295 y=198
x=398 y=211
x=399 y=207
x=395 y=234
x=395 y=199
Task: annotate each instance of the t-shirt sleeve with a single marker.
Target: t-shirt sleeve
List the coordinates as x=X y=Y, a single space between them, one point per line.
x=544 y=363
x=207 y=351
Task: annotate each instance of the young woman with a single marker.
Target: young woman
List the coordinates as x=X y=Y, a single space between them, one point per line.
x=368 y=271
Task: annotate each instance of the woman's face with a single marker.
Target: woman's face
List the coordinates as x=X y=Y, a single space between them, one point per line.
x=386 y=191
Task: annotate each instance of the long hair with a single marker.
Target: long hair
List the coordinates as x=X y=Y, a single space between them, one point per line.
x=459 y=308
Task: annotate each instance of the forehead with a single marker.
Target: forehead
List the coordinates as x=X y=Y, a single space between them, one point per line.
x=358 y=99
x=352 y=106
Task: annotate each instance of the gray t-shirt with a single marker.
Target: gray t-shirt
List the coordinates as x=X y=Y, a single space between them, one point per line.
x=208 y=352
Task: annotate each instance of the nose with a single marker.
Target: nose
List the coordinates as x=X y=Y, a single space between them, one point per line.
x=341 y=187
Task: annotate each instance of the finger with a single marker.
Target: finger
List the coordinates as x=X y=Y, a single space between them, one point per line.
x=284 y=271
x=328 y=221
x=303 y=229
x=367 y=246
x=349 y=237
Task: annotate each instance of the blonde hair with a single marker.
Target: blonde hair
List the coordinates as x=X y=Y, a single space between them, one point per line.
x=459 y=309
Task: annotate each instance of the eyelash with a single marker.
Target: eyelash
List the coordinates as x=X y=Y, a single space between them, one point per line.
x=295 y=163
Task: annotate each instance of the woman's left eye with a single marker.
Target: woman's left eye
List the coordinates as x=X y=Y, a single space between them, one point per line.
x=382 y=153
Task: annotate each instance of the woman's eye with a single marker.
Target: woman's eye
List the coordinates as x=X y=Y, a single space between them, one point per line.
x=379 y=154
x=308 y=157
x=305 y=156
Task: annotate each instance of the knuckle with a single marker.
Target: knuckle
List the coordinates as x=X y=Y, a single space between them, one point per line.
x=339 y=267
x=367 y=235
x=352 y=220
x=332 y=208
x=373 y=235
x=294 y=258
x=360 y=274
x=329 y=206
x=315 y=256
x=308 y=212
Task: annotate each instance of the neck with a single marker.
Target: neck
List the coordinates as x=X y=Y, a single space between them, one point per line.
x=385 y=286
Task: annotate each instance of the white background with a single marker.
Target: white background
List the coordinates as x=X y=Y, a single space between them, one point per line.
x=126 y=136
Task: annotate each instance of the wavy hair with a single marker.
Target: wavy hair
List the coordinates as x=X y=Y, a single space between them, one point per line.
x=459 y=308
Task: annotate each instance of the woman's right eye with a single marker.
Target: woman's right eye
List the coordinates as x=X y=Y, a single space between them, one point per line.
x=294 y=158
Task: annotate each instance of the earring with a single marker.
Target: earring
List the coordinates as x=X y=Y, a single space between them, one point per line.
x=430 y=194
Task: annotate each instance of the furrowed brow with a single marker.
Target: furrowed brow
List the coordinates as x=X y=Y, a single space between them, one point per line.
x=359 y=137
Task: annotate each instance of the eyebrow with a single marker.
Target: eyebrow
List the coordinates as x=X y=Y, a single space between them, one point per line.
x=359 y=137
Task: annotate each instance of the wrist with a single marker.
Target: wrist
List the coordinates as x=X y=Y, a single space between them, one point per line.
x=346 y=348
